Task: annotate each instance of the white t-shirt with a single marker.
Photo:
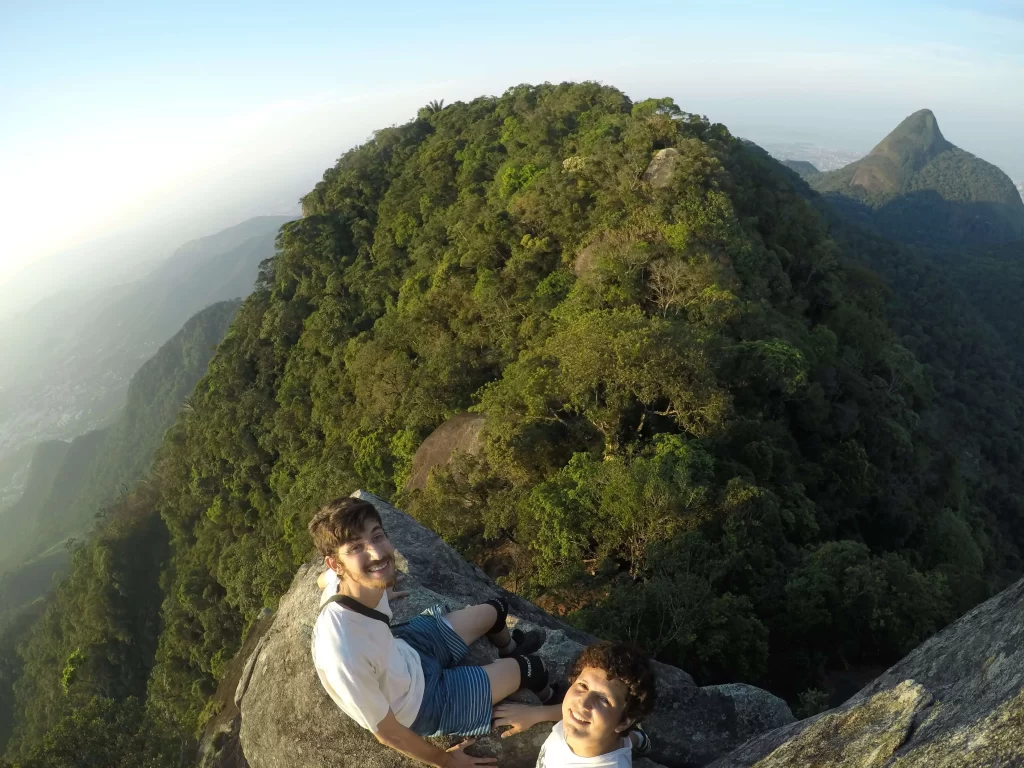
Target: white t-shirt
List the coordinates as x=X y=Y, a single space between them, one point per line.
x=555 y=753
x=365 y=669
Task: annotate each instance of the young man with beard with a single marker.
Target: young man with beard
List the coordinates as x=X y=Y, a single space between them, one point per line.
x=403 y=682
x=611 y=687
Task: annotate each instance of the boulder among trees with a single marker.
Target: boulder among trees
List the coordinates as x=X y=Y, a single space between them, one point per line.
x=460 y=434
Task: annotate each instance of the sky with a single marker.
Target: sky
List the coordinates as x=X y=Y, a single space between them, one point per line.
x=127 y=128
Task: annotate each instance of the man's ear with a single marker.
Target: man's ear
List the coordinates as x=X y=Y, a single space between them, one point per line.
x=332 y=563
x=625 y=725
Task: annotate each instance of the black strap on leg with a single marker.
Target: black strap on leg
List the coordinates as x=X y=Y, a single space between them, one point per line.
x=501 y=606
x=532 y=674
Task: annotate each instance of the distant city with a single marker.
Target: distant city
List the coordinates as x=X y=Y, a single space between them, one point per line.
x=822 y=158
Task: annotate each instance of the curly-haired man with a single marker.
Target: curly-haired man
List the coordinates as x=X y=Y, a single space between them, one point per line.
x=611 y=686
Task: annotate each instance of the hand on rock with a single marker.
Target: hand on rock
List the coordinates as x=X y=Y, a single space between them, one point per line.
x=520 y=717
x=457 y=757
x=394 y=593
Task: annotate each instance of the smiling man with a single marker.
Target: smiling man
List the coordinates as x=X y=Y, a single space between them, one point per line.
x=611 y=687
x=404 y=682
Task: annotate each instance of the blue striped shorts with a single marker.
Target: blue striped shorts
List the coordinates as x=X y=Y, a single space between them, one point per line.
x=456 y=699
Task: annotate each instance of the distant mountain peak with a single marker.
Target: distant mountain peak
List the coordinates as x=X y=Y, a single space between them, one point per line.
x=905 y=151
x=917 y=186
x=914 y=141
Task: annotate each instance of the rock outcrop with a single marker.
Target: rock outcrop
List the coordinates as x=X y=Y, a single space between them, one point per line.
x=286 y=719
x=957 y=701
x=459 y=434
x=659 y=170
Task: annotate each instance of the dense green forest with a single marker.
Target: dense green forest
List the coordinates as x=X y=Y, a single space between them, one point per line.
x=916 y=187
x=711 y=427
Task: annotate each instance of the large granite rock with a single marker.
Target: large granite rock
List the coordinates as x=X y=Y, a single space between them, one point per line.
x=662 y=166
x=460 y=434
x=957 y=701
x=286 y=719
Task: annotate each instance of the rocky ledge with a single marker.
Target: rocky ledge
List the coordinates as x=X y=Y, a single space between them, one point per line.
x=955 y=702
x=279 y=716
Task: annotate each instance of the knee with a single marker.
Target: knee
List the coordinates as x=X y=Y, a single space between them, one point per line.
x=532 y=674
x=501 y=606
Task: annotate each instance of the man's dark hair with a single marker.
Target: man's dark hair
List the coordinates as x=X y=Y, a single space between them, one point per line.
x=339 y=522
x=624 y=663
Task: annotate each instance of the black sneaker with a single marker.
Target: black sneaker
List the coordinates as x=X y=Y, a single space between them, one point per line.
x=526 y=642
x=643 y=745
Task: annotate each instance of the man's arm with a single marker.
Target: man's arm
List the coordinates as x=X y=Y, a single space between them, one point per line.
x=393 y=734
x=522 y=717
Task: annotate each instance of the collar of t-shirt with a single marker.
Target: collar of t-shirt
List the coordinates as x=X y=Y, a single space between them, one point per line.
x=332 y=589
x=556 y=753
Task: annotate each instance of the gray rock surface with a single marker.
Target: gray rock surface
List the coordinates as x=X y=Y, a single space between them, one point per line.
x=659 y=170
x=460 y=433
x=219 y=746
x=288 y=720
x=958 y=700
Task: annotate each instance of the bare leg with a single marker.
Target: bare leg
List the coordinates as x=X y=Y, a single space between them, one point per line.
x=473 y=622
x=504 y=677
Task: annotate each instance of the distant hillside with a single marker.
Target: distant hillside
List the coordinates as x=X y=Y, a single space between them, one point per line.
x=917 y=187
x=15 y=522
x=69 y=482
x=68 y=361
x=802 y=167
x=14 y=468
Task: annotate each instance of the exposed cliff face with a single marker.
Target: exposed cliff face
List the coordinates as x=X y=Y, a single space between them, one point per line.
x=286 y=719
x=958 y=700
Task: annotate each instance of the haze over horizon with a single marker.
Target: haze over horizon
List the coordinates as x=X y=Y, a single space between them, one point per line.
x=142 y=126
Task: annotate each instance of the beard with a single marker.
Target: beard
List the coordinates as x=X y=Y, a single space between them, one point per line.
x=380 y=580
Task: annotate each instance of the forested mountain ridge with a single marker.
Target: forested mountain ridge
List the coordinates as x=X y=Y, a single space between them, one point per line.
x=916 y=186
x=702 y=433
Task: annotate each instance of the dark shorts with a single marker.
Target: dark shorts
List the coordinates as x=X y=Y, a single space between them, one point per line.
x=456 y=700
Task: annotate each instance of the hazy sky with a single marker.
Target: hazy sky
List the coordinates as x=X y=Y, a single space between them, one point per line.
x=145 y=117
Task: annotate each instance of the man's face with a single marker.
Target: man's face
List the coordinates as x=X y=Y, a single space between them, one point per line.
x=368 y=560
x=592 y=712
